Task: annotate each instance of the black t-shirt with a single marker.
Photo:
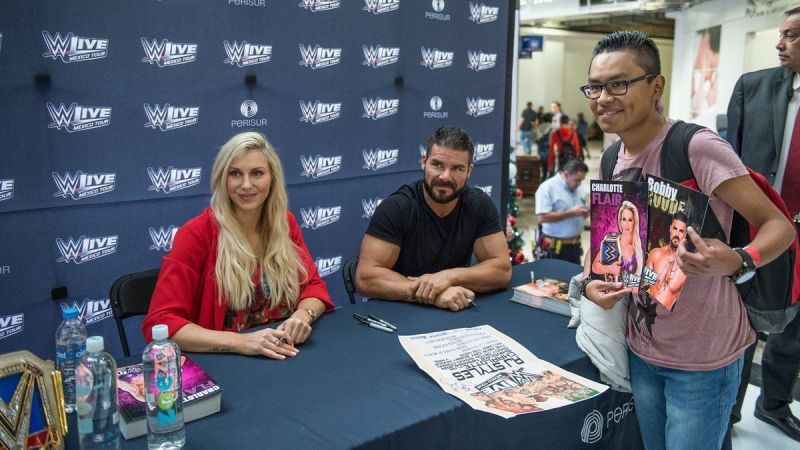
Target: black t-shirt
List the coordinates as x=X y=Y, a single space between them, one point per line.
x=529 y=116
x=429 y=244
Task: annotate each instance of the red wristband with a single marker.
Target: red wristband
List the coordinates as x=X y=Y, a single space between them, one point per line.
x=753 y=251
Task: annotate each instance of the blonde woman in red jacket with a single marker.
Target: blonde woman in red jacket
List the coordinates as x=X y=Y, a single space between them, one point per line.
x=240 y=263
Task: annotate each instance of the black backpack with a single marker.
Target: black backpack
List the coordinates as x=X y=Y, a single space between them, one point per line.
x=566 y=151
x=771 y=296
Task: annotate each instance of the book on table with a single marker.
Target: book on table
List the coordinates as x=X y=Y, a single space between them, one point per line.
x=202 y=396
x=548 y=294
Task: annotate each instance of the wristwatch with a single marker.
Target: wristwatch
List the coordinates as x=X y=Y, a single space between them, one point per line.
x=583 y=285
x=748 y=269
x=312 y=313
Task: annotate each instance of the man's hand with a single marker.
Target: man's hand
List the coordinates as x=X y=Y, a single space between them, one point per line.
x=578 y=211
x=713 y=257
x=430 y=286
x=454 y=298
x=605 y=294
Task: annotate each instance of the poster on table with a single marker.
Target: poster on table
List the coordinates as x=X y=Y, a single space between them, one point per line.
x=491 y=372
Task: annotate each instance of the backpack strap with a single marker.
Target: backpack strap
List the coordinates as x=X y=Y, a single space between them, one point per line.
x=609 y=160
x=675 y=166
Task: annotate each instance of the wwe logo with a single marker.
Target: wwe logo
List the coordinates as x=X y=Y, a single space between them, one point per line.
x=10 y=325
x=171 y=179
x=6 y=189
x=379 y=108
x=369 y=205
x=318 y=112
x=378 y=159
x=91 y=311
x=486 y=189
x=482 y=151
x=318 y=57
x=480 y=13
x=162 y=238
x=436 y=59
x=320 y=166
x=169 y=117
x=83 y=185
x=380 y=56
x=166 y=53
x=381 y=6
x=245 y=54
x=78 y=118
x=481 y=61
x=85 y=249
x=327 y=266
x=318 y=216
x=71 y=48
x=319 y=5
x=477 y=107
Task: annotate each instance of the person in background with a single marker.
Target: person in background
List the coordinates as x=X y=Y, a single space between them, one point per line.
x=582 y=128
x=764 y=105
x=542 y=133
x=682 y=359
x=555 y=110
x=583 y=149
x=241 y=263
x=560 y=205
x=564 y=146
x=525 y=127
x=419 y=243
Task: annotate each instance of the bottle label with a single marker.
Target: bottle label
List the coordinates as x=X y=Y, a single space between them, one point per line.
x=62 y=354
x=163 y=393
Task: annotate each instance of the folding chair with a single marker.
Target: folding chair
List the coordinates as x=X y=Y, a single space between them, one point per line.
x=349 y=276
x=130 y=296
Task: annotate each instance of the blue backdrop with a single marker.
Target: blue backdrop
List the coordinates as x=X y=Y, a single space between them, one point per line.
x=113 y=111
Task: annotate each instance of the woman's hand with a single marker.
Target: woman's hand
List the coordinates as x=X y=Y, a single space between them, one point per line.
x=296 y=328
x=269 y=342
x=605 y=294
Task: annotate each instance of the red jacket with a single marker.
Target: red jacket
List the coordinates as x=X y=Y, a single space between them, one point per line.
x=567 y=135
x=186 y=291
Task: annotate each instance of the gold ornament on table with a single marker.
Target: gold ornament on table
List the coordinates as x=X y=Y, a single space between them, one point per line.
x=32 y=414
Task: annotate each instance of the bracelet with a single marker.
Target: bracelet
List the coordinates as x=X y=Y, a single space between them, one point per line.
x=584 y=285
x=754 y=253
x=312 y=313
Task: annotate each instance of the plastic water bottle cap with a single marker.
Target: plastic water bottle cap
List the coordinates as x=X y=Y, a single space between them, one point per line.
x=95 y=344
x=69 y=313
x=160 y=332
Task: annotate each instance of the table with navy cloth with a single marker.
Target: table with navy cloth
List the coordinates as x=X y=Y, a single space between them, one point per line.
x=354 y=386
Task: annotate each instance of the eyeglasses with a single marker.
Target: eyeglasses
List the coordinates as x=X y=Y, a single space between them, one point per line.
x=615 y=88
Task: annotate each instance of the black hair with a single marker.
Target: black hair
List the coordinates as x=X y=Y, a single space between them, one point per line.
x=574 y=166
x=681 y=216
x=713 y=38
x=564 y=119
x=646 y=51
x=792 y=11
x=453 y=138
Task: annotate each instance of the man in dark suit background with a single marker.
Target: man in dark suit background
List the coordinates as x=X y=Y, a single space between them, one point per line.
x=763 y=130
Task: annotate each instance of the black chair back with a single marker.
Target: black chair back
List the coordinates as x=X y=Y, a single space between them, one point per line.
x=349 y=275
x=130 y=296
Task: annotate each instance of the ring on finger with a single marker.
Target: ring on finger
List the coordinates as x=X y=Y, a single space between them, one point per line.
x=277 y=342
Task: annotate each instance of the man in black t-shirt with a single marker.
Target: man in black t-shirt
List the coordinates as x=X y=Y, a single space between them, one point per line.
x=420 y=241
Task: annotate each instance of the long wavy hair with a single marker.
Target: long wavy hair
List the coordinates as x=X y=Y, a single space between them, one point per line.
x=278 y=258
x=637 y=239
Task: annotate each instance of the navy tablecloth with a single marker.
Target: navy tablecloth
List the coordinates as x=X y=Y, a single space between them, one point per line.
x=353 y=386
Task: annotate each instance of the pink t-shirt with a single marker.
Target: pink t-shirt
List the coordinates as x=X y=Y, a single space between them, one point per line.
x=708 y=328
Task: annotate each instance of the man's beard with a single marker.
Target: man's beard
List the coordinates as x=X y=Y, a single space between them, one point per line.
x=674 y=244
x=442 y=198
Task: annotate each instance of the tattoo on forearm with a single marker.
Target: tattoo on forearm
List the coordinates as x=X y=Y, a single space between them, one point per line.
x=220 y=349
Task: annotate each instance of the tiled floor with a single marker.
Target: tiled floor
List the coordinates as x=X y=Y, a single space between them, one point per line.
x=750 y=433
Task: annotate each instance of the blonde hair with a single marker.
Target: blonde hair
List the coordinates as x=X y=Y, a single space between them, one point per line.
x=637 y=240
x=278 y=257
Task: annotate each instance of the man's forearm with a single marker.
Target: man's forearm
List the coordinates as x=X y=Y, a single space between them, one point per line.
x=485 y=276
x=554 y=216
x=385 y=284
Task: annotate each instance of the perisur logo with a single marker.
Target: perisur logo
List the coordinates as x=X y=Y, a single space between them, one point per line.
x=246 y=54
x=319 y=5
x=480 y=13
x=378 y=108
x=83 y=185
x=369 y=205
x=481 y=61
x=162 y=238
x=170 y=179
x=482 y=151
x=377 y=56
x=327 y=266
x=436 y=109
x=320 y=166
x=477 y=106
x=381 y=6
x=378 y=159
x=91 y=311
x=319 y=216
x=437 y=13
x=318 y=57
x=85 y=248
x=10 y=325
x=319 y=112
x=166 y=53
x=71 y=48
x=6 y=189
x=436 y=59
x=170 y=117
x=78 y=118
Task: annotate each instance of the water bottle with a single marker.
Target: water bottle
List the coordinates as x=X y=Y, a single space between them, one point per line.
x=161 y=361
x=70 y=347
x=96 y=393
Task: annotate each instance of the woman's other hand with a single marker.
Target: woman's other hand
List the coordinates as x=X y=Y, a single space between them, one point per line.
x=297 y=329
x=272 y=343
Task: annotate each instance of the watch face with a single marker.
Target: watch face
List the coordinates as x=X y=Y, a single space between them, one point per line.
x=745 y=277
